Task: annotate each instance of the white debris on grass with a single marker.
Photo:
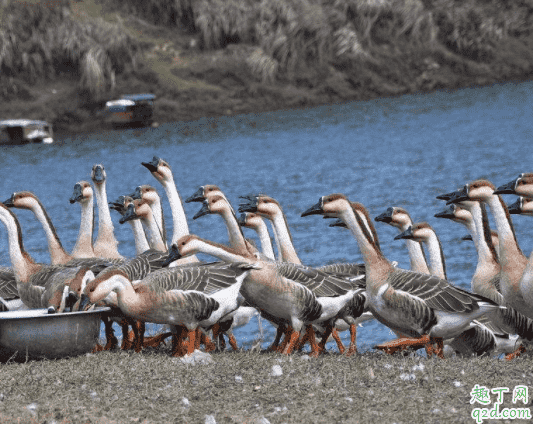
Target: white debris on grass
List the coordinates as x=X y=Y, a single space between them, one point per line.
x=388 y=366
x=305 y=357
x=276 y=371
x=407 y=377
x=185 y=402
x=238 y=379
x=210 y=419
x=263 y=420
x=32 y=408
x=197 y=357
x=419 y=367
x=457 y=383
x=348 y=399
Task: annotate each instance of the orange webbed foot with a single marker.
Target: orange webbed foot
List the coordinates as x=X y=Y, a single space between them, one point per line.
x=521 y=349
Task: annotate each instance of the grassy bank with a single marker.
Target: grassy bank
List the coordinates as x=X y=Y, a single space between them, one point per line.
x=61 y=60
x=151 y=386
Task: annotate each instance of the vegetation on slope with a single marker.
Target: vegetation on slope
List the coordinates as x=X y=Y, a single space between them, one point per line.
x=212 y=57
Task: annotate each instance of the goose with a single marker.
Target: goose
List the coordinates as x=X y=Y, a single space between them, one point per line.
x=520 y=186
x=400 y=218
x=484 y=336
x=120 y=205
x=522 y=206
x=512 y=261
x=106 y=244
x=426 y=308
x=275 y=291
x=271 y=209
x=149 y=194
x=485 y=280
x=139 y=209
x=422 y=232
x=190 y=297
x=39 y=286
x=83 y=194
x=215 y=201
x=256 y=223
x=161 y=172
x=28 y=200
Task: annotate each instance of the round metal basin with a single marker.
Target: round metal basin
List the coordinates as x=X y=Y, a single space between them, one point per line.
x=36 y=333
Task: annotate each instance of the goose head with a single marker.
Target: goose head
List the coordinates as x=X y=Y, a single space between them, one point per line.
x=479 y=190
x=395 y=216
x=136 y=210
x=21 y=200
x=98 y=174
x=261 y=204
x=332 y=205
x=82 y=193
x=420 y=232
x=203 y=193
x=213 y=204
x=250 y=220
x=186 y=246
x=97 y=289
x=521 y=186
x=146 y=193
x=456 y=213
x=121 y=204
x=522 y=206
x=74 y=289
x=160 y=169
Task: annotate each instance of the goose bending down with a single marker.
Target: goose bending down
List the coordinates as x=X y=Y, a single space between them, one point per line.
x=275 y=291
x=512 y=261
x=39 y=286
x=161 y=172
x=149 y=194
x=183 y=297
x=256 y=223
x=400 y=219
x=83 y=194
x=106 y=244
x=426 y=308
x=120 y=205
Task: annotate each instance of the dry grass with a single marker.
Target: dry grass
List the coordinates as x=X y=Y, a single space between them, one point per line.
x=125 y=387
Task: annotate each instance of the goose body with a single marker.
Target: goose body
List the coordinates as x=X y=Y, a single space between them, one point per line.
x=421 y=306
x=121 y=205
x=256 y=223
x=83 y=194
x=149 y=195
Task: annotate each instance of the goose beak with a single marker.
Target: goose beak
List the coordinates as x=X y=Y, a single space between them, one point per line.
x=446 y=196
x=508 y=188
x=152 y=166
x=129 y=214
x=251 y=206
x=458 y=196
x=446 y=213
x=314 y=210
x=136 y=195
x=198 y=196
x=516 y=207
x=203 y=211
x=77 y=194
x=467 y=237
x=84 y=302
x=173 y=255
x=385 y=217
x=10 y=202
x=338 y=223
x=242 y=219
x=407 y=234
x=98 y=175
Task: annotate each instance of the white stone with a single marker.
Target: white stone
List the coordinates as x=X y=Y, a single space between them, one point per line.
x=276 y=371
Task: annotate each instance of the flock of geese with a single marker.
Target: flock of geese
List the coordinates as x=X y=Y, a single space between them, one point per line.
x=203 y=302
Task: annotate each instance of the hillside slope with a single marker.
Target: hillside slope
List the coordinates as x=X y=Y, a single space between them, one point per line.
x=62 y=60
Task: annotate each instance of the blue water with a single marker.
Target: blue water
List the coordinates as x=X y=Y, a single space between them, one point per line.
x=399 y=151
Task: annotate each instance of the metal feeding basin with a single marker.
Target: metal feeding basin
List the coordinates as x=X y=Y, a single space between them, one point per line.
x=36 y=333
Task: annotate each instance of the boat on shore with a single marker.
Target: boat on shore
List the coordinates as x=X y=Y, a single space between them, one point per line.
x=130 y=110
x=25 y=131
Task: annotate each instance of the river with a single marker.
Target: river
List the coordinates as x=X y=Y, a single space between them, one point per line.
x=400 y=151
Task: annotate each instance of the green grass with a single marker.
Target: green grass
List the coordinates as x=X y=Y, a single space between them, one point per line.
x=151 y=386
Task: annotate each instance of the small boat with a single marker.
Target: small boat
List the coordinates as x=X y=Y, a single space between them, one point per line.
x=24 y=131
x=130 y=109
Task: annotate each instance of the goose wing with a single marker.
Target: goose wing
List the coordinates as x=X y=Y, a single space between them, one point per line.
x=319 y=282
x=8 y=284
x=353 y=270
x=437 y=293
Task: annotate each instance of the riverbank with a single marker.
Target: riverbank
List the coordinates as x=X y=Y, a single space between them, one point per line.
x=376 y=52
